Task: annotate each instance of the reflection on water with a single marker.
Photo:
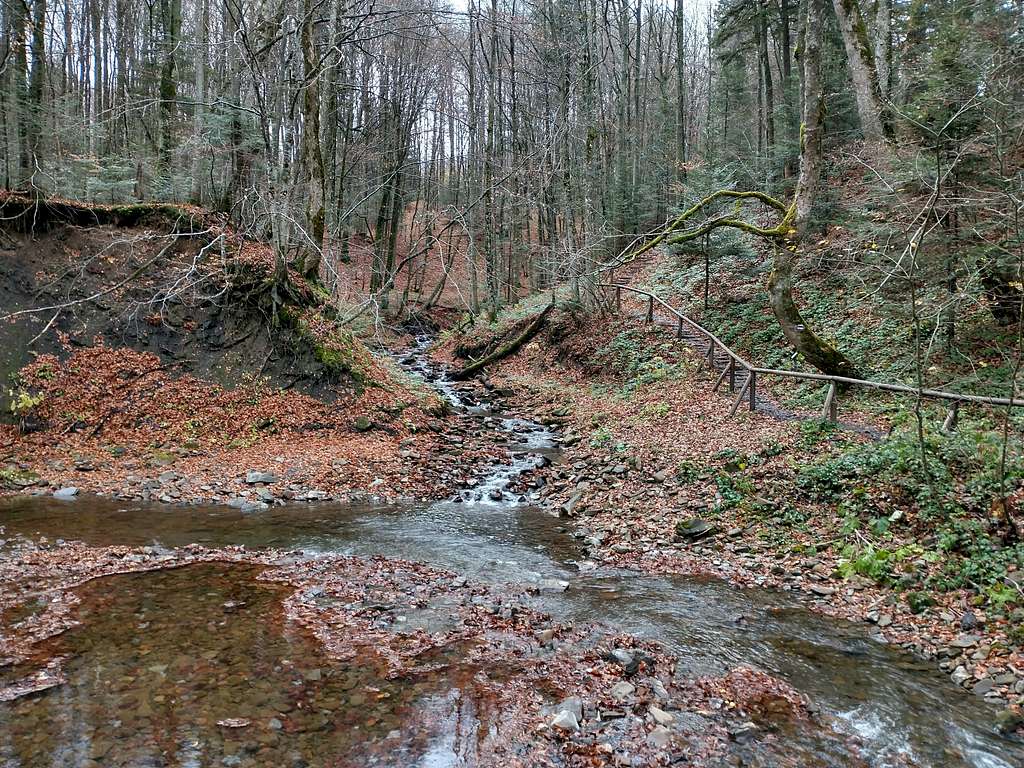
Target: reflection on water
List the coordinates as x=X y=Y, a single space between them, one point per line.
x=165 y=665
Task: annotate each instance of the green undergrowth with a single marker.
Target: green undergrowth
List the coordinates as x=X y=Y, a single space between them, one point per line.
x=900 y=513
x=875 y=328
x=338 y=350
x=478 y=330
x=637 y=362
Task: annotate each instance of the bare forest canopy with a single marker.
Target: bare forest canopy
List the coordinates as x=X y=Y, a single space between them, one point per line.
x=506 y=145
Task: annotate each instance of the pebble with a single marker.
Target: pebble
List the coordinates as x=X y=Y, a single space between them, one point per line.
x=622 y=690
x=661 y=717
x=66 y=493
x=565 y=721
x=660 y=736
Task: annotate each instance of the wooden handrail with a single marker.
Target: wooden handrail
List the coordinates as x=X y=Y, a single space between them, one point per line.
x=752 y=371
x=691 y=322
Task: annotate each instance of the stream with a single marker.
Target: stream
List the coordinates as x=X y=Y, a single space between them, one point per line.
x=154 y=663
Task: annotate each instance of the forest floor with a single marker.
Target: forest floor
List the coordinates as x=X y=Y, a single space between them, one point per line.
x=658 y=477
x=184 y=440
x=146 y=353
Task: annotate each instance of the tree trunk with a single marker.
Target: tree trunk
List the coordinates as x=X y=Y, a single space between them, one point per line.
x=815 y=350
x=861 y=60
x=680 y=92
x=312 y=157
x=883 y=46
x=202 y=51
x=37 y=77
x=170 y=12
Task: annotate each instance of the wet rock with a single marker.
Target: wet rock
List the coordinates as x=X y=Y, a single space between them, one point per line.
x=246 y=505
x=66 y=493
x=968 y=621
x=495 y=494
x=622 y=656
x=822 y=591
x=1008 y=721
x=253 y=476
x=983 y=686
x=552 y=585
x=695 y=529
x=960 y=675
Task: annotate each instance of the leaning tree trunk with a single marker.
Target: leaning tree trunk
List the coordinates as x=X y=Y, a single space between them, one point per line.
x=815 y=350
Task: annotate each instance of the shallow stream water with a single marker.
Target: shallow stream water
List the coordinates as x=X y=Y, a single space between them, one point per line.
x=165 y=635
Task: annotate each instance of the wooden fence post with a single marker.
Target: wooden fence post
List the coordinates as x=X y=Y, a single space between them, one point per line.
x=650 y=309
x=618 y=298
x=732 y=373
x=721 y=377
x=679 y=329
x=752 y=390
x=830 y=410
x=739 y=397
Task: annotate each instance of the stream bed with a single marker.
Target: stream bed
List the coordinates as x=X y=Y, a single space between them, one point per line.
x=153 y=666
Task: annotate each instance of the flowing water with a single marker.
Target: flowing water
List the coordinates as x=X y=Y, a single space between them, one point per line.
x=154 y=665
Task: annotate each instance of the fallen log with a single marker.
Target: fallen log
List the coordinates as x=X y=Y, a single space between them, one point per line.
x=504 y=351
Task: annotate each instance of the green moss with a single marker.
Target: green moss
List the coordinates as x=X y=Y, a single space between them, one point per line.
x=340 y=361
x=17 y=478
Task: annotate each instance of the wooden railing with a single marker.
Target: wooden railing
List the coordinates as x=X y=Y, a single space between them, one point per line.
x=743 y=377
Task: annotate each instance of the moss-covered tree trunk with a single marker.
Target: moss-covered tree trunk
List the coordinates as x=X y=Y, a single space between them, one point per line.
x=312 y=156
x=861 y=59
x=814 y=349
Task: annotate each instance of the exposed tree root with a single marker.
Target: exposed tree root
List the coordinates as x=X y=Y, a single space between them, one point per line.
x=28 y=213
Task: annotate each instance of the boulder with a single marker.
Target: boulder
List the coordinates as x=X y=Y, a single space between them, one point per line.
x=695 y=529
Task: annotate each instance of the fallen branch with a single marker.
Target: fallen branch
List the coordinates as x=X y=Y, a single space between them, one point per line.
x=531 y=330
